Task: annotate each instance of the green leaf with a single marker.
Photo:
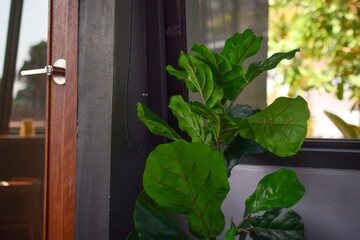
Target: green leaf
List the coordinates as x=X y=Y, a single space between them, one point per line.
x=242 y=111
x=278 y=189
x=241 y=46
x=182 y=76
x=230 y=234
x=348 y=130
x=280 y=224
x=203 y=53
x=189 y=121
x=134 y=235
x=152 y=222
x=281 y=127
x=198 y=78
x=189 y=178
x=155 y=124
x=210 y=115
x=229 y=126
x=238 y=147
x=230 y=77
x=255 y=69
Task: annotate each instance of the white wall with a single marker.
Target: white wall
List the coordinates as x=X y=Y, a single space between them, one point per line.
x=330 y=207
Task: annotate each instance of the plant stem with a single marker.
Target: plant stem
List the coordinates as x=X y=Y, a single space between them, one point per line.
x=247 y=217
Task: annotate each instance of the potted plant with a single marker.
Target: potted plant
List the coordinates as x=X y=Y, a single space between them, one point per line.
x=190 y=177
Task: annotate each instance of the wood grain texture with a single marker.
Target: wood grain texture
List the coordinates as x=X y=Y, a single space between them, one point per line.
x=60 y=160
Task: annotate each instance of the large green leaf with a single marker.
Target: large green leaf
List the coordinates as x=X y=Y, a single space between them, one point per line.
x=281 y=127
x=189 y=178
x=198 y=77
x=241 y=46
x=229 y=126
x=279 y=224
x=255 y=69
x=209 y=114
x=189 y=121
x=278 y=189
x=152 y=222
x=202 y=52
x=155 y=124
x=231 y=77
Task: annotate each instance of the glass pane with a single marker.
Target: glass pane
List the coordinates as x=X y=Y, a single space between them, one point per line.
x=326 y=71
x=212 y=21
x=22 y=149
x=29 y=91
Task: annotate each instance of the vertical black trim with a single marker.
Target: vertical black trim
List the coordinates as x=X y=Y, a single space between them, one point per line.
x=156 y=62
x=175 y=38
x=9 y=72
x=127 y=165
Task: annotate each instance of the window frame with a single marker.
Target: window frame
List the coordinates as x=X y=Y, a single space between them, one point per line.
x=314 y=153
x=8 y=125
x=9 y=70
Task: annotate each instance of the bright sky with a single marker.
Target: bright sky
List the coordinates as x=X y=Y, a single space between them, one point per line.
x=33 y=28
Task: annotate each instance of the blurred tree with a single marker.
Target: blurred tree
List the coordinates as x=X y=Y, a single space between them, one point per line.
x=328 y=35
x=33 y=94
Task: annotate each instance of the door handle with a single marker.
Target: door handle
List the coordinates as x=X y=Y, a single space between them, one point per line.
x=56 y=71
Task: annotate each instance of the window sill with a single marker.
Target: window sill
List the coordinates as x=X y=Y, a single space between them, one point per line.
x=316 y=153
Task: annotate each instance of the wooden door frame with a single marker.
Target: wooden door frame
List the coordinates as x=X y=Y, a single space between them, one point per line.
x=61 y=129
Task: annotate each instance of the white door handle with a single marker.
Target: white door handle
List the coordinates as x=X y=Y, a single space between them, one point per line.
x=56 y=71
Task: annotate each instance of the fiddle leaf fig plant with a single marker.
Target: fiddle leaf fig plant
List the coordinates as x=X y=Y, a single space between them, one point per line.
x=190 y=177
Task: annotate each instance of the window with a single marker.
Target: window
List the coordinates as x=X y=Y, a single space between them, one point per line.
x=327 y=70
x=329 y=81
x=23 y=46
x=212 y=21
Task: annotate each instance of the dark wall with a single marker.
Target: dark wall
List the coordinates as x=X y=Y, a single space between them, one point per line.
x=21 y=157
x=130 y=140
x=95 y=100
x=123 y=49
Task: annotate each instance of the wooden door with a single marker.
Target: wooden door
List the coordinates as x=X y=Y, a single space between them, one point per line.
x=61 y=130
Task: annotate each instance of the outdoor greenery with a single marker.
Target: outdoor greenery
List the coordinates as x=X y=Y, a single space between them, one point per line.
x=348 y=130
x=30 y=91
x=190 y=176
x=34 y=91
x=328 y=34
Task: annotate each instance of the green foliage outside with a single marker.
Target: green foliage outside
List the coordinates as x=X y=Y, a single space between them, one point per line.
x=328 y=34
x=190 y=177
x=348 y=130
x=33 y=94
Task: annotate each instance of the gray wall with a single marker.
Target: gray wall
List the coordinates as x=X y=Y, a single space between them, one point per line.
x=330 y=207
x=112 y=143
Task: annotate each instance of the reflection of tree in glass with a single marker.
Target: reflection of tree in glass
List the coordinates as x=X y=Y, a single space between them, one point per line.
x=32 y=96
x=328 y=34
